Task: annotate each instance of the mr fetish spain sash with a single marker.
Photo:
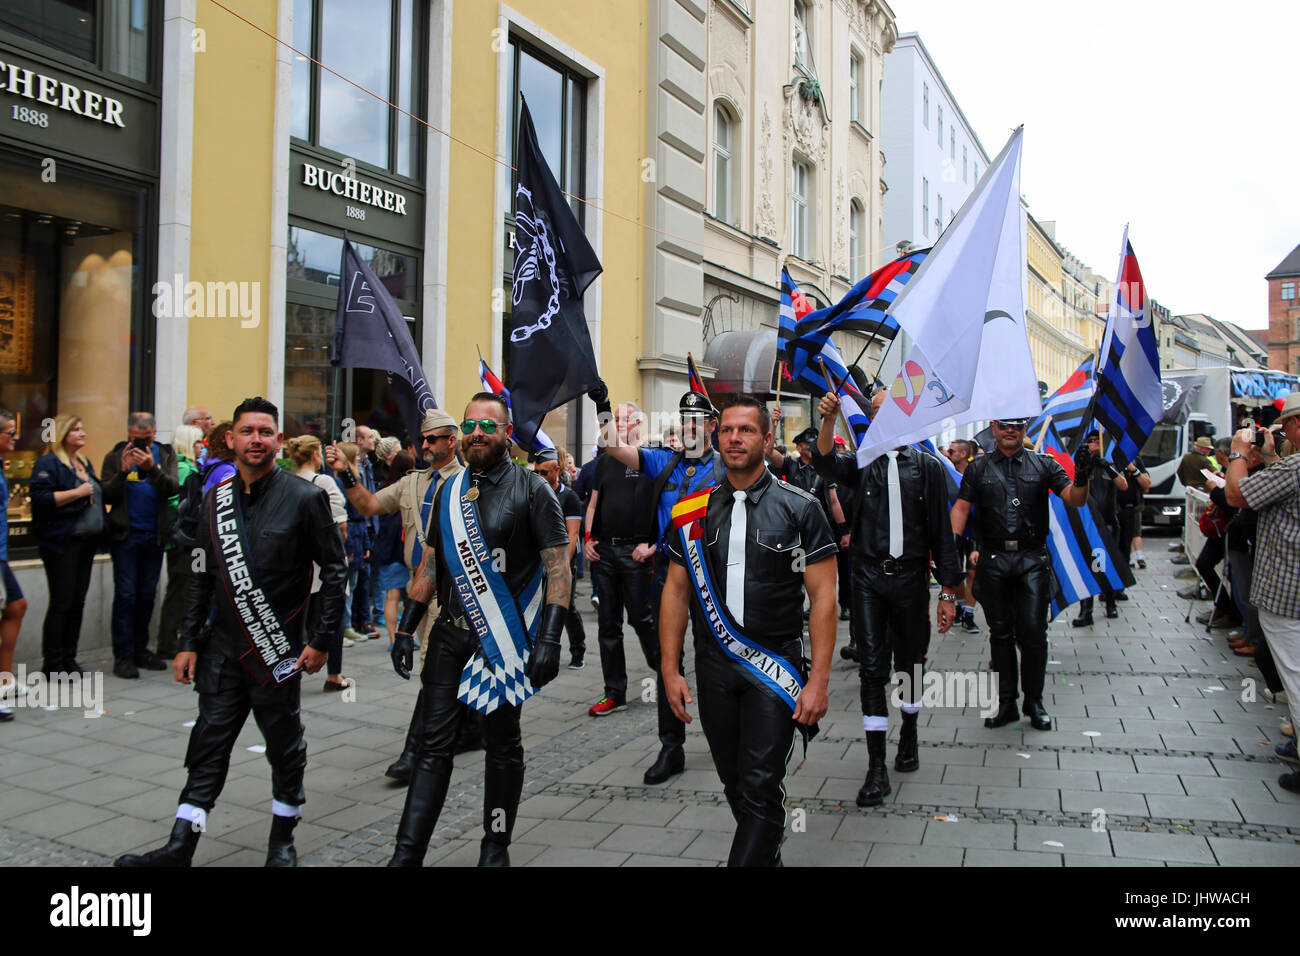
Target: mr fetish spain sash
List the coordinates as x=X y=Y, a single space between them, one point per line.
x=270 y=657
x=505 y=626
x=767 y=670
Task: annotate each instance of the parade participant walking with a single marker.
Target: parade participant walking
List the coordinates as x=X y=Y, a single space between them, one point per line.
x=547 y=464
x=1103 y=490
x=621 y=545
x=675 y=474
x=1007 y=489
x=260 y=534
x=741 y=554
x=493 y=644
x=412 y=496
x=901 y=522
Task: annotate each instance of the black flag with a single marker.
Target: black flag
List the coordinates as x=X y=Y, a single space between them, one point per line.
x=551 y=356
x=369 y=332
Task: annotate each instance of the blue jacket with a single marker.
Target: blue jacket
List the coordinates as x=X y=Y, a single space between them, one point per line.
x=51 y=524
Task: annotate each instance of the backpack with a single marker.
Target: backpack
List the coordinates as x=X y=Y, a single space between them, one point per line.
x=189 y=508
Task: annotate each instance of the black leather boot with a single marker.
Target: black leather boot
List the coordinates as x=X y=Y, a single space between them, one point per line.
x=401 y=768
x=907 y=759
x=756 y=843
x=876 y=787
x=1007 y=713
x=670 y=762
x=849 y=652
x=1111 y=610
x=279 y=848
x=1037 y=714
x=502 y=785
x=1085 y=614
x=178 y=851
x=424 y=800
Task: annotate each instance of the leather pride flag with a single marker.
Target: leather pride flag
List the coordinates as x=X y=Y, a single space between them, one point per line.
x=551 y=357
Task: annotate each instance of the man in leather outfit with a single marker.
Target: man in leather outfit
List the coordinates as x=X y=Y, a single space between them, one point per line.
x=1007 y=489
x=891 y=582
x=782 y=544
x=522 y=528
x=288 y=526
x=676 y=475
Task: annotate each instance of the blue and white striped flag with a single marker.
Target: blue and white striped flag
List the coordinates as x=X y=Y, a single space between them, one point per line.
x=1129 y=399
x=1083 y=553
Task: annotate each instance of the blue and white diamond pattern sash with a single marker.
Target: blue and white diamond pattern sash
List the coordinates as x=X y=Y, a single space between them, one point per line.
x=495 y=673
x=768 y=670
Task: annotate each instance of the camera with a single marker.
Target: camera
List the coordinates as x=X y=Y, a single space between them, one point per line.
x=141 y=443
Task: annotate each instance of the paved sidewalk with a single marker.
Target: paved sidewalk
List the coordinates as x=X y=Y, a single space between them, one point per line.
x=1160 y=756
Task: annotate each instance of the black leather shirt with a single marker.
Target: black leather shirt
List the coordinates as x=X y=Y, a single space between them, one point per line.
x=807 y=478
x=519 y=514
x=1009 y=496
x=786 y=532
x=288 y=525
x=927 y=528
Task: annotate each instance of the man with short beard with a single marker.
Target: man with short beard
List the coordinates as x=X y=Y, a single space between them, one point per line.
x=496 y=543
x=743 y=552
x=261 y=531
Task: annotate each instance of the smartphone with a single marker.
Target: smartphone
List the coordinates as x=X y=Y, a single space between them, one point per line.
x=141 y=443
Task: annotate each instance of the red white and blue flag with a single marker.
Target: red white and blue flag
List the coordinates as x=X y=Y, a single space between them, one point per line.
x=1129 y=399
x=497 y=387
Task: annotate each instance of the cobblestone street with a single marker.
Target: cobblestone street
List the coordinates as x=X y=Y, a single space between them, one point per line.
x=1160 y=755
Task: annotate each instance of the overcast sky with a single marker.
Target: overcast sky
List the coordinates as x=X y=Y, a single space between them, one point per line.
x=1179 y=118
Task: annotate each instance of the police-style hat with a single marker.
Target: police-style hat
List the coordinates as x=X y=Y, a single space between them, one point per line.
x=546 y=454
x=807 y=436
x=1092 y=434
x=693 y=403
x=1013 y=422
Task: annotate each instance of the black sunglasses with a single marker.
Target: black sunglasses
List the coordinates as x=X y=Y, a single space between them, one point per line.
x=430 y=439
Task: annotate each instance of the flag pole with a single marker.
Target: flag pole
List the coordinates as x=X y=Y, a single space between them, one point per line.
x=831 y=378
x=691 y=359
x=780 y=425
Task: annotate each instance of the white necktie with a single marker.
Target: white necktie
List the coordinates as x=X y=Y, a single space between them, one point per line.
x=895 y=508
x=736 y=558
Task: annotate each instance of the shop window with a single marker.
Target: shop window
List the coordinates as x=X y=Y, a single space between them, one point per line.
x=71 y=312
x=316 y=395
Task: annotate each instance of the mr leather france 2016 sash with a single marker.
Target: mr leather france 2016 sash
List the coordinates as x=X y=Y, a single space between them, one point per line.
x=765 y=669
x=506 y=627
x=270 y=657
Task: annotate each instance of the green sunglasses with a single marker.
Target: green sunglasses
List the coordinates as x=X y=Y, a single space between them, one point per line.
x=487 y=424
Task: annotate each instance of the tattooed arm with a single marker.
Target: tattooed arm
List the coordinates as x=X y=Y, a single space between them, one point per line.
x=559 y=578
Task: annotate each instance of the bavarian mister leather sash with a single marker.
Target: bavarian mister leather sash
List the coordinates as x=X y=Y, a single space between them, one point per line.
x=762 y=667
x=505 y=626
x=270 y=657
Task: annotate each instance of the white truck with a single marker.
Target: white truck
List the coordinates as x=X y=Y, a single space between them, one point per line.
x=1228 y=396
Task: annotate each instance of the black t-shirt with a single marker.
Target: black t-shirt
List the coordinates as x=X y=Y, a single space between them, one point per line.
x=570 y=504
x=625 y=507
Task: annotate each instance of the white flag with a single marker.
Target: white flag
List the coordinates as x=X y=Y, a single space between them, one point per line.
x=965 y=312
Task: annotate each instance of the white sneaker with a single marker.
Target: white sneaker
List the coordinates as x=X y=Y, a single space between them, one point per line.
x=1278 y=698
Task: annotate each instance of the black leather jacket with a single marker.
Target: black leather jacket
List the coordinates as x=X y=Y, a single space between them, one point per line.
x=786 y=532
x=1010 y=503
x=519 y=513
x=288 y=526
x=927 y=527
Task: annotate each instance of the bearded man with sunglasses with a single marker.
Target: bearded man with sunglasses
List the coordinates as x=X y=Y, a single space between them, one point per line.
x=1007 y=490
x=497 y=564
x=412 y=495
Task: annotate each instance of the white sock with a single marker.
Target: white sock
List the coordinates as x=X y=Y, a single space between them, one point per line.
x=1139 y=555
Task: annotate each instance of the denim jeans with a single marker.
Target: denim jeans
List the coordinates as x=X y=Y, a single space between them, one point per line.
x=137 y=563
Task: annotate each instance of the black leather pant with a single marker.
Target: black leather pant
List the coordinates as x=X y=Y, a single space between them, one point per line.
x=623 y=584
x=1015 y=589
x=672 y=732
x=227 y=693
x=503 y=771
x=843 y=567
x=750 y=735
x=893 y=617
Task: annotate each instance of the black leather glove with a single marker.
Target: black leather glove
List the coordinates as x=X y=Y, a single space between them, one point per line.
x=403 y=655
x=599 y=394
x=1082 y=466
x=544 y=662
